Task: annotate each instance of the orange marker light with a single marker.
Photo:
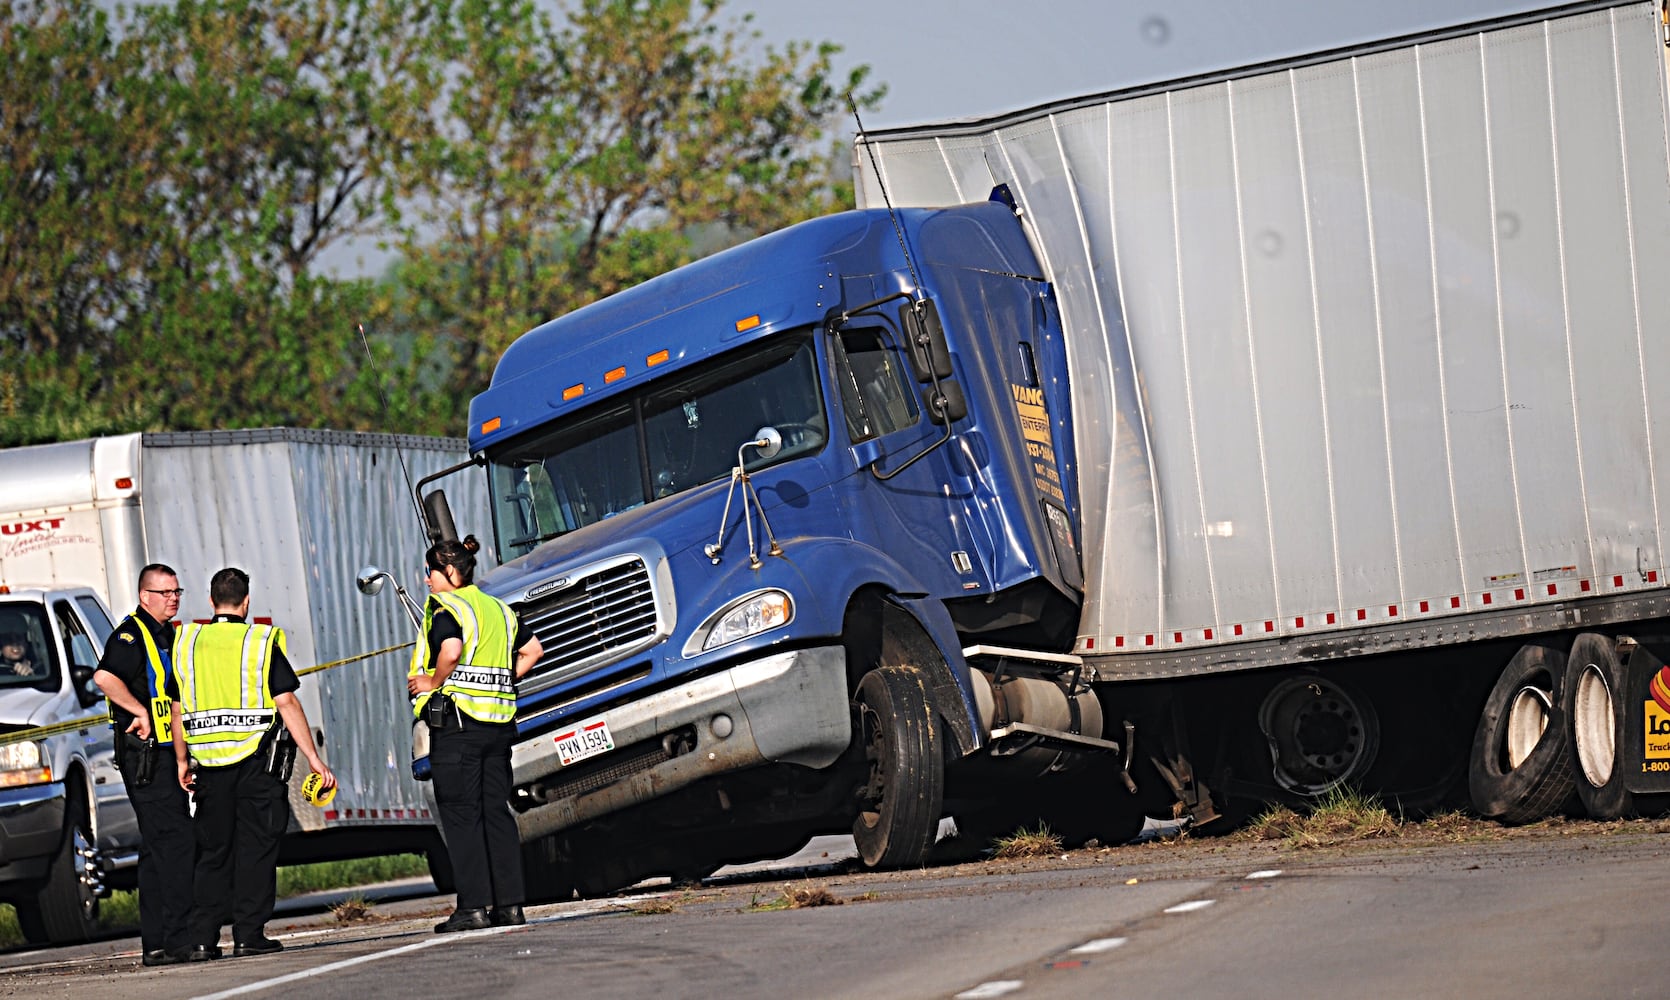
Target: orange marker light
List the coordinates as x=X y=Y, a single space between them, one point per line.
x=124 y=483
x=615 y=374
x=747 y=324
x=572 y=392
x=489 y=426
x=656 y=358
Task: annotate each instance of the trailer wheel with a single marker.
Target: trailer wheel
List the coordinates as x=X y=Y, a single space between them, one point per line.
x=1596 y=679
x=65 y=909
x=899 y=735
x=1520 y=768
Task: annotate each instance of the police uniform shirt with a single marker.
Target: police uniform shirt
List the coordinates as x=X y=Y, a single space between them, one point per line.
x=124 y=656
x=281 y=676
x=444 y=626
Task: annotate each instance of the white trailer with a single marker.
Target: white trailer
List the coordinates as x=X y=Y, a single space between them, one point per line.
x=1367 y=356
x=300 y=511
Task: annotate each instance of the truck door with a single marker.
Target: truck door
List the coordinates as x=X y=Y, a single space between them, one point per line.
x=115 y=823
x=906 y=513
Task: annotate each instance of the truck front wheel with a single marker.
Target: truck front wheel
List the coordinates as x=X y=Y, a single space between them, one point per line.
x=65 y=910
x=899 y=736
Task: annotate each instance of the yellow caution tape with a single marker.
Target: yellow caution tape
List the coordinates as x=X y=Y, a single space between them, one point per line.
x=101 y=718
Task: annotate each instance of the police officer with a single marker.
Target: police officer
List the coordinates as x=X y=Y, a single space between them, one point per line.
x=463 y=677
x=234 y=686
x=133 y=675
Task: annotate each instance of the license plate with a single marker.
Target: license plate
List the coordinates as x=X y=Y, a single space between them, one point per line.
x=588 y=739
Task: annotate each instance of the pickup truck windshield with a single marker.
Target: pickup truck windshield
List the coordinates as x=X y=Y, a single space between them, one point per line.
x=26 y=649
x=663 y=439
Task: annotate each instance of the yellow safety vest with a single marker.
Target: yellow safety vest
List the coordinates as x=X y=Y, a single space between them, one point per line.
x=162 y=711
x=226 y=699
x=483 y=685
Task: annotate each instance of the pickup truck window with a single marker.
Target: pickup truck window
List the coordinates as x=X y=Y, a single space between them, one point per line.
x=93 y=612
x=76 y=638
x=663 y=439
x=28 y=657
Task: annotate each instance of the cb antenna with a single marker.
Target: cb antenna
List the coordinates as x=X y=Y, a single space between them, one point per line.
x=881 y=182
x=423 y=522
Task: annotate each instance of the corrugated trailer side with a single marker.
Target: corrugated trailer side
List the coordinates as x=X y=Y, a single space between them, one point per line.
x=302 y=511
x=1365 y=349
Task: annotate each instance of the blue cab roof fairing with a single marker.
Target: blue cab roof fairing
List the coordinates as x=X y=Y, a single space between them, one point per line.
x=790 y=278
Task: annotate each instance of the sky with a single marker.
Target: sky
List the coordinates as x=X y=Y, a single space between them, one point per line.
x=959 y=59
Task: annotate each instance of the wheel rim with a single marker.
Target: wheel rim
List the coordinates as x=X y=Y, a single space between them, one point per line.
x=873 y=796
x=1320 y=736
x=1527 y=719
x=1592 y=726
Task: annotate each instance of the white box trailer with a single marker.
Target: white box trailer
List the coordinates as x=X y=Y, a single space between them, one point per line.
x=1366 y=348
x=301 y=511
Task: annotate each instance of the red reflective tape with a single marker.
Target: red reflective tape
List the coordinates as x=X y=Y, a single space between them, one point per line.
x=1487 y=597
x=1455 y=602
x=1584 y=586
x=330 y=814
x=1237 y=630
x=1269 y=626
x=1553 y=589
x=1519 y=593
x=1391 y=611
x=1425 y=607
x=1090 y=642
x=1176 y=637
x=1617 y=581
x=1148 y=640
x=1362 y=614
x=1208 y=634
x=1330 y=618
x=1299 y=622
x=1118 y=641
x=1652 y=576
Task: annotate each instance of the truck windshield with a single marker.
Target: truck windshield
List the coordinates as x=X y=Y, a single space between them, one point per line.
x=26 y=648
x=661 y=440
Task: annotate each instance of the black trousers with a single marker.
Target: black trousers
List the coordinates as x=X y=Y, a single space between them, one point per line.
x=167 y=855
x=471 y=770
x=241 y=814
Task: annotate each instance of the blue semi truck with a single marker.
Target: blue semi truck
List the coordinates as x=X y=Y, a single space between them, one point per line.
x=1216 y=442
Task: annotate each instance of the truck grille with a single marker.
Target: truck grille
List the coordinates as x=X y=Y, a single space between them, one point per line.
x=595 y=620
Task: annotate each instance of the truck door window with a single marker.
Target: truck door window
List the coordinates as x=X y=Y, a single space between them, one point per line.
x=93 y=612
x=76 y=638
x=875 y=392
x=28 y=653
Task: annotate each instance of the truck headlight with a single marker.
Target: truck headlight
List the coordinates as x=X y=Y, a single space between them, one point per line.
x=746 y=616
x=21 y=764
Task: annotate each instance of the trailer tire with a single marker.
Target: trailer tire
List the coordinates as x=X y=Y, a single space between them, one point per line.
x=898 y=734
x=1596 y=703
x=64 y=910
x=1516 y=776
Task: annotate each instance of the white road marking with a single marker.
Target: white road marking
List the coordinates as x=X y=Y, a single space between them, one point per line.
x=1098 y=945
x=438 y=939
x=1266 y=873
x=995 y=988
x=1190 y=906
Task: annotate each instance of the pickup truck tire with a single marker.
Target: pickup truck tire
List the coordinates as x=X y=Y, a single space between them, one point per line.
x=1598 y=707
x=899 y=736
x=63 y=910
x=1515 y=774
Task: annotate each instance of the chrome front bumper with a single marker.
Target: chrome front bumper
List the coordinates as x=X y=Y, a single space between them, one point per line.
x=789 y=708
x=31 y=821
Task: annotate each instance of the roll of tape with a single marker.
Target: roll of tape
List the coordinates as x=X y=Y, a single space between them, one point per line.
x=314 y=793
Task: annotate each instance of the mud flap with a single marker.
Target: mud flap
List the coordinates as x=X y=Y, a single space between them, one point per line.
x=1645 y=754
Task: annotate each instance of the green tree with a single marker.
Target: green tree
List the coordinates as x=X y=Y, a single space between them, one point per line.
x=576 y=159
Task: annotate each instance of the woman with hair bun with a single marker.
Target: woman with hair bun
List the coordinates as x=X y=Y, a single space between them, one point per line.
x=463 y=679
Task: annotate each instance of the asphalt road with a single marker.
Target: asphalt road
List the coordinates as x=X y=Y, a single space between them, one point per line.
x=1566 y=910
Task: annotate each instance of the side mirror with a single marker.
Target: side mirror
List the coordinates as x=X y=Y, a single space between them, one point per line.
x=437 y=516
x=87 y=693
x=370 y=581
x=768 y=441
x=948 y=405
x=930 y=355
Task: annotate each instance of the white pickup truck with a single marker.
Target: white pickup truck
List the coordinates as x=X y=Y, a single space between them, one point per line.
x=67 y=831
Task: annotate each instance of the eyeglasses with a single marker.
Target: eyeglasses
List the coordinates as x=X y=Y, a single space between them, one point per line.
x=176 y=592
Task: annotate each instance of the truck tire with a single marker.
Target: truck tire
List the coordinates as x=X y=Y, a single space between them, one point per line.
x=1520 y=770
x=899 y=736
x=1597 y=706
x=546 y=874
x=440 y=867
x=64 y=910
